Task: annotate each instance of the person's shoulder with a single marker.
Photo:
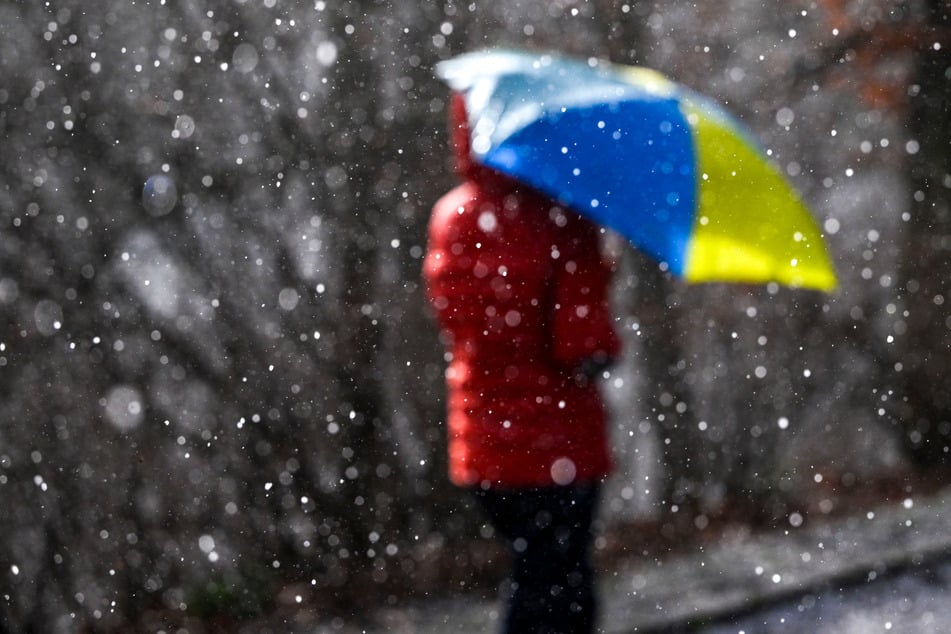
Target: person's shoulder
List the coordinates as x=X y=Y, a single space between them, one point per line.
x=455 y=202
x=452 y=214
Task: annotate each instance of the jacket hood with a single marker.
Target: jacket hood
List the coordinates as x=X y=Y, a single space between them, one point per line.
x=460 y=140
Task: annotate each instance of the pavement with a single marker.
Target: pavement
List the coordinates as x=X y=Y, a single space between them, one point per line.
x=742 y=578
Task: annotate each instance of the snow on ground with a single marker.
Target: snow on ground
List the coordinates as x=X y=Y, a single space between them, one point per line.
x=883 y=570
x=911 y=602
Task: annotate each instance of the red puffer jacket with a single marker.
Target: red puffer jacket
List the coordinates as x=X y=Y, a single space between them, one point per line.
x=519 y=288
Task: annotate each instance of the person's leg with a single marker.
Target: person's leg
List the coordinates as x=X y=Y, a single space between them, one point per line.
x=549 y=533
x=555 y=568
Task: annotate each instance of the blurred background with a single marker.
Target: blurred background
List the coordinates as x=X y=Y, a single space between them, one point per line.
x=220 y=386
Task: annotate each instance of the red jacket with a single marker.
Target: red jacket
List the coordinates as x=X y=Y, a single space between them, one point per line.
x=520 y=291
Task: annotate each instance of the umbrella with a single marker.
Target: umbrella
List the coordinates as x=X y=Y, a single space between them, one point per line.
x=663 y=166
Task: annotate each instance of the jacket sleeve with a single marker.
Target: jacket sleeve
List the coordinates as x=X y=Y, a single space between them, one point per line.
x=582 y=326
x=447 y=267
x=436 y=264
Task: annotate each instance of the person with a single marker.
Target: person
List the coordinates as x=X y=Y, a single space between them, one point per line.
x=520 y=292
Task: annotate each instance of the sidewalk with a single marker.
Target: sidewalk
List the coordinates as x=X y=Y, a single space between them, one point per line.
x=735 y=575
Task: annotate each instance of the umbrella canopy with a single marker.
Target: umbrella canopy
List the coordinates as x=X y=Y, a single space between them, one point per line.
x=642 y=155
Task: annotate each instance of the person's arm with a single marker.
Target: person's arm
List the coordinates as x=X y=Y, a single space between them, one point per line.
x=583 y=335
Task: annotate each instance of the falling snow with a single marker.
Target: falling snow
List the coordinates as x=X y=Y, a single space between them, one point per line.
x=220 y=389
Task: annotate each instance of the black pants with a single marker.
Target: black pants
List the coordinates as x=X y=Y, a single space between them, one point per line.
x=549 y=533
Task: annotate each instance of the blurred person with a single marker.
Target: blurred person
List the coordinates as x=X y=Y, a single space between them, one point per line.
x=519 y=289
